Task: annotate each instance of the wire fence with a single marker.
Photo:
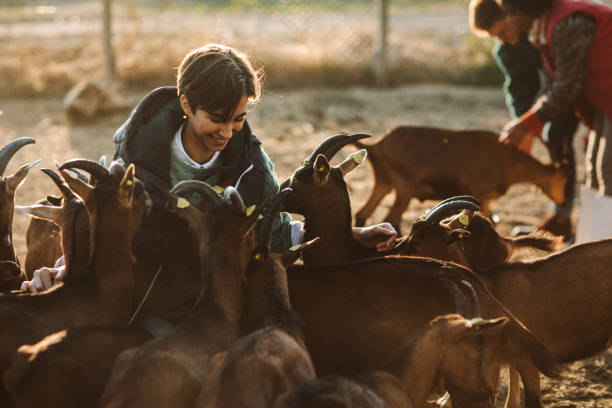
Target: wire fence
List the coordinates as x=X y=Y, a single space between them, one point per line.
x=299 y=42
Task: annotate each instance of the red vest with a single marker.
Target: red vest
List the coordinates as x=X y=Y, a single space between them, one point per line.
x=598 y=74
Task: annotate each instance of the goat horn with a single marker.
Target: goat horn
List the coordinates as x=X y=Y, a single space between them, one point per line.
x=447 y=209
x=456 y=198
x=263 y=232
x=462 y=305
x=93 y=168
x=63 y=187
x=8 y=151
x=205 y=190
x=330 y=146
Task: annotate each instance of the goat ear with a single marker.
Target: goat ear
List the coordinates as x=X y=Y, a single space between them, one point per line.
x=479 y=325
x=78 y=186
x=126 y=187
x=14 y=181
x=352 y=161
x=184 y=209
x=461 y=220
x=45 y=212
x=456 y=235
x=296 y=251
x=321 y=169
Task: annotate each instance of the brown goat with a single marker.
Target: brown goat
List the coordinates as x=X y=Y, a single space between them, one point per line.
x=11 y=275
x=68 y=368
x=357 y=313
x=272 y=359
x=449 y=348
x=565 y=299
x=176 y=365
x=104 y=295
x=468 y=238
x=321 y=196
x=432 y=163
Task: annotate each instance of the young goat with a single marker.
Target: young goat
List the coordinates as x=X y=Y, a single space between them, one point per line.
x=432 y=164
x=10 y=269
x=450 y=348
x=169 y=371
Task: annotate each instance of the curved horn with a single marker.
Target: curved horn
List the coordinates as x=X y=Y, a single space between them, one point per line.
x=263 y=233
x=462 y=305
x=8 y=151
x=93 y=168
x=456 y=198
x=190 y=186
x=447 y=209
x=63 y=187
x=232 y=195
x=330 y=146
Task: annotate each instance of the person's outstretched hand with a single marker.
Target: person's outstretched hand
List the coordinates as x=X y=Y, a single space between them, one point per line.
x=44 y=278
x=380 y=236
x=515 y=134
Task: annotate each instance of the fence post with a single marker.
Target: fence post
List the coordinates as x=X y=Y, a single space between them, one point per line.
x=109 y=54
x=381 y=8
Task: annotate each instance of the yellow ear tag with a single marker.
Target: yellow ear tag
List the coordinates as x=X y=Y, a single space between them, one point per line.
x=259 y=257
x=218 y=189
x=464 y=219
x=460 y=236
x=250 y=210
x=359 y=156
x=295 y=248
x=474 y=321
x=321 y=169
x=128 y=183
x=182 y=203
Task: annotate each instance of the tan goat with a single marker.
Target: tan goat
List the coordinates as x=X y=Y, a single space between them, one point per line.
x=272 y=359
x=432 y=163
x=168 y=372
x=450 y=349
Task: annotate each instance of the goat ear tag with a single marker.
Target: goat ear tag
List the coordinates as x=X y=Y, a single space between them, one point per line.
x=259 y=257
x=218 y=189
x=182 y=203
x=250 y=210
x=295 y=248
x=475 y=321
x=359 y=156
x=464 y=220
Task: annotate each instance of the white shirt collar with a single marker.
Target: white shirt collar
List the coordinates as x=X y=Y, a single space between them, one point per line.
x=177 y=147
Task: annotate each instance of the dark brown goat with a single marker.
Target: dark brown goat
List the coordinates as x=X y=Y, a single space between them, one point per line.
x=449 y=348
x=104 y=295
x=321 y=196
x=68 y=368
x=11 y=275
x=432 y=163
x=468 y=238
x=176 y=365
x=358 y=313
x=272 y=359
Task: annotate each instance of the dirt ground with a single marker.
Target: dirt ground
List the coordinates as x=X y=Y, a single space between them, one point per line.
x=290 y=124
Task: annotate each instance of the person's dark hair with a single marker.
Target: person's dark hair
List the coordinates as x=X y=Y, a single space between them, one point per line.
x=483 y=14
x=532 y=7
x=216 y=77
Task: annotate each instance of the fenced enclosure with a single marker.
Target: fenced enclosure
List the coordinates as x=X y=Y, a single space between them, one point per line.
x=49 y=45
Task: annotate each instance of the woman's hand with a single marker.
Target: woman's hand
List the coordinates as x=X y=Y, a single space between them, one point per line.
x=379 y=236
x=44 y=278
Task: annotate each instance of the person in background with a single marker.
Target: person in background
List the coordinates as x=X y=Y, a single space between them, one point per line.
x=574 y=38
x=521 y=64
x=198 y=130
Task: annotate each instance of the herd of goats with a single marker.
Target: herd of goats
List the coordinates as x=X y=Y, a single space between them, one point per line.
x=443 y=312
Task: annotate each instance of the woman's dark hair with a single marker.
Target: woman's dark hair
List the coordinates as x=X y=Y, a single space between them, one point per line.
x=483 y=14
x=216 y=77
x=532 y=7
